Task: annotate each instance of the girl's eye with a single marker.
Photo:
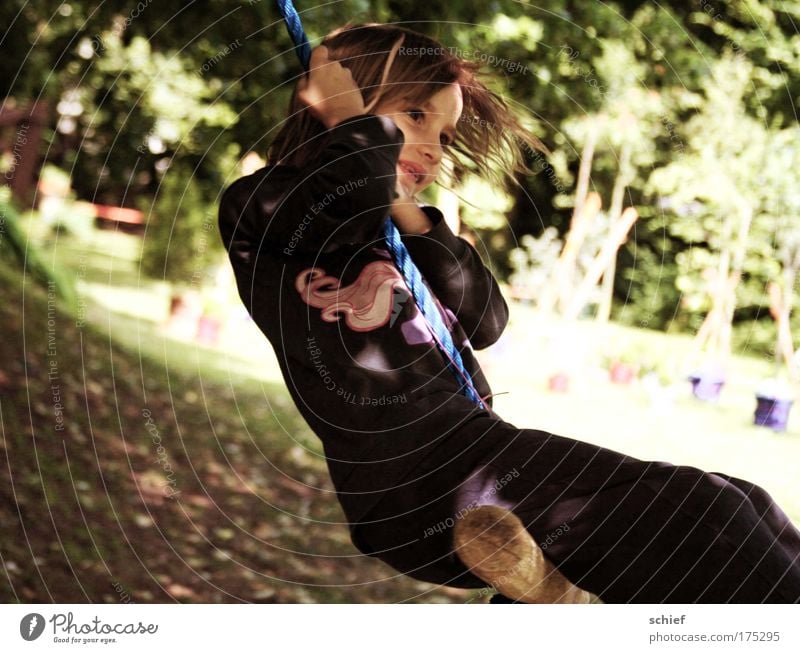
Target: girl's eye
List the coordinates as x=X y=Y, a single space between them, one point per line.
x=418 y=112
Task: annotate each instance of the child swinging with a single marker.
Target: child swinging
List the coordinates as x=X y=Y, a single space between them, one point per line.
x=431 y=480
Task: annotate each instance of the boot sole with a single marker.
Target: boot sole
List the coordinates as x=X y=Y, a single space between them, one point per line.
x=494 y=544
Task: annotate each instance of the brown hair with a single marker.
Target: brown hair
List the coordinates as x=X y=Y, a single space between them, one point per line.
x=489 y=135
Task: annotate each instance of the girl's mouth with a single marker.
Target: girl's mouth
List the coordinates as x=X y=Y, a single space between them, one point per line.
x=408 y=171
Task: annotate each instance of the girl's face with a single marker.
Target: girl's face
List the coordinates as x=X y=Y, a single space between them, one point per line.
x=428 y=130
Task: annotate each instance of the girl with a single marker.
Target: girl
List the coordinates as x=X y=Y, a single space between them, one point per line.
x=439 y=488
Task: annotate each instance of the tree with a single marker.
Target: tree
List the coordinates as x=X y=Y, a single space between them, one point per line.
x=720 y=191
x=781 y=214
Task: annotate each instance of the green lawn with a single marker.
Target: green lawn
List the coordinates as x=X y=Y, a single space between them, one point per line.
x=136 y=474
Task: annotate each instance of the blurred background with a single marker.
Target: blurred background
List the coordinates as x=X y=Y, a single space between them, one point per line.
x=151 y=452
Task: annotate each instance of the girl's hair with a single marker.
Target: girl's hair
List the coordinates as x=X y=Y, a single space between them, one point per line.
x=489 y=138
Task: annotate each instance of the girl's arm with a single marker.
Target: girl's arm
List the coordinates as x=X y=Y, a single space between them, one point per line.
x=456 y=274
x=343 y=199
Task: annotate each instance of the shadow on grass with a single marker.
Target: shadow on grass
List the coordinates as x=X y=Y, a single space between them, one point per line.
x=126 y=479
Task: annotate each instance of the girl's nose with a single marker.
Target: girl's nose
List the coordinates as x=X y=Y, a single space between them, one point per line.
x=431 y=150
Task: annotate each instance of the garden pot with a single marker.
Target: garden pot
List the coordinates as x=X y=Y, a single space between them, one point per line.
x=184 y=312
x=208 y=329
x=706 y=387
x=772 y=412
x=622 y=373
x=558 y=382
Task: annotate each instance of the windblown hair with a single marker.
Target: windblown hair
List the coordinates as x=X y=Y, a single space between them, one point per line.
x=490 y=139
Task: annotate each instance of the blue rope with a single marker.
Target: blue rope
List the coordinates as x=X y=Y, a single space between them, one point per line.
x=295 y=29
x=428 y=309
x=396 y=246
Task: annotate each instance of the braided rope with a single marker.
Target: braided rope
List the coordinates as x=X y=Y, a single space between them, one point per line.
x=295 y=29
x=402 y=258
x=430 y=312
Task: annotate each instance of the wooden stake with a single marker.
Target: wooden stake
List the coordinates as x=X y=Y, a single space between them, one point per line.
x=616 y=237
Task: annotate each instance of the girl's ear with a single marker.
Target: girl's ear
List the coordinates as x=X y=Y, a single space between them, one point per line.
x=387 y=67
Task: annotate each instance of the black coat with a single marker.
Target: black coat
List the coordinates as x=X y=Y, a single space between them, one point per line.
x=314 y=272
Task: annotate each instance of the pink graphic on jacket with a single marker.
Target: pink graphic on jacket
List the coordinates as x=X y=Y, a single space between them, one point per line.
x=368 y=303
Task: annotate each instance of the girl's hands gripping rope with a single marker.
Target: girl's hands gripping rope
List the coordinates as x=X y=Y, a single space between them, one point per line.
x=332 y=95
x=329 y=90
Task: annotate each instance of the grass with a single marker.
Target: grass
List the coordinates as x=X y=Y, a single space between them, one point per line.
x=156 y=478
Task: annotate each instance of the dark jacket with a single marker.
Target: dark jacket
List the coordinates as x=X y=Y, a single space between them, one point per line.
x=314 y=272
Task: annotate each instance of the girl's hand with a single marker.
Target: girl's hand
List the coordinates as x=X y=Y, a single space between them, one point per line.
x=405 y=212
x=404 y=190
x=329 y=90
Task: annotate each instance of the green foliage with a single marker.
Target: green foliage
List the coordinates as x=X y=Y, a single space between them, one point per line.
x=533 y=261
x=153 y=89
x=182 y=239
x=14 y=243
x=648 y=278
x=483 y=206
x=715 y=186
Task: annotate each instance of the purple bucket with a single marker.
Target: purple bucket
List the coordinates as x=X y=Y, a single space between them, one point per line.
x=771 y=412
x=706 y=388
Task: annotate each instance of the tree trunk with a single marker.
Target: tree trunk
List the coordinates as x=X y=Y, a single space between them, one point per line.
x=614 y=211
x=558 y=291
x=740 y=249
x=585 y=169
x=781 y=300
x=715 y=332
x=616 y=237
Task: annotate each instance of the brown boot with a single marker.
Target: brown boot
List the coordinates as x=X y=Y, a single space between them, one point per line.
x=494 y=544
